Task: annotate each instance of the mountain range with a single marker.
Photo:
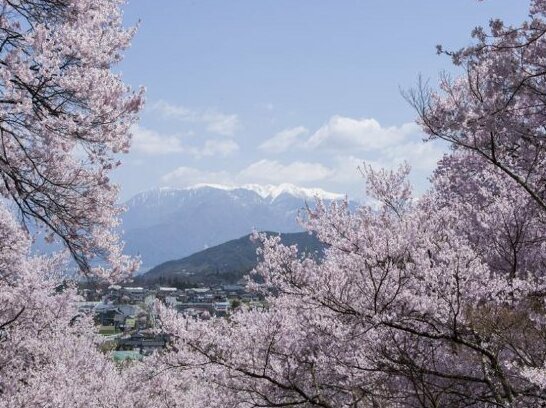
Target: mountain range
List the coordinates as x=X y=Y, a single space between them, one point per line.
x=171 y=223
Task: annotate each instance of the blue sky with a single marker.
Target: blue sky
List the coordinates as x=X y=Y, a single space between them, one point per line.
x=298 y=91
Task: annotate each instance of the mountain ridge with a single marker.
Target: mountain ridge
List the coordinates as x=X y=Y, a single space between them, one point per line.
x=221 y=264
x=170 y=223
x=271 y=191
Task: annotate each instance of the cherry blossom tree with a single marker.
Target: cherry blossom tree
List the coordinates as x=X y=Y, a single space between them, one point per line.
x=433 y=301
x=64 y=118
x=49 y=355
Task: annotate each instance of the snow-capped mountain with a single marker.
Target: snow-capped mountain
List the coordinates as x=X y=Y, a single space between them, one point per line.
x=271 y=192
x=170 y=223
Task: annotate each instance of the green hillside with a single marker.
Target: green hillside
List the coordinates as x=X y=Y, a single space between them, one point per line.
x=224 y=263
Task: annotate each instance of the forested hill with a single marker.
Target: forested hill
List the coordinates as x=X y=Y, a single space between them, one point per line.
x=224 y=263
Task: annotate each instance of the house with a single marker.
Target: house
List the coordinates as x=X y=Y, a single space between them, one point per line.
x=143 y=341
x=87 y=306
x=167 y=295
x=105 y=314
x=166 y=290
x=121 y=317
x=221 y=308
x=235 y=289
x=134 y=294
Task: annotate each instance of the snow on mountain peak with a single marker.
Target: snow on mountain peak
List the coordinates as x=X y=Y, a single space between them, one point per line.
x=267 y=192
x=273 y=191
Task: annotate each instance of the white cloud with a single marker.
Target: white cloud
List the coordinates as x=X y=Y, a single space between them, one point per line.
x=220 y=123
x=214 y=121
x=271 y=171
x=341 y=176
x=188 y=176
x=215 y=147
x=422 y=158
x=150 y=142
x=283 y=140
x=263 y=171
x=420 y=155
x=345 y=134
x=346 y=171
x=332 y=156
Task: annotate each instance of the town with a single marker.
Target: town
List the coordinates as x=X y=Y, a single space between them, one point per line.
x=127 y=317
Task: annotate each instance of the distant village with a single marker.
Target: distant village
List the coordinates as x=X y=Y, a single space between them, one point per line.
x=126 y=315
